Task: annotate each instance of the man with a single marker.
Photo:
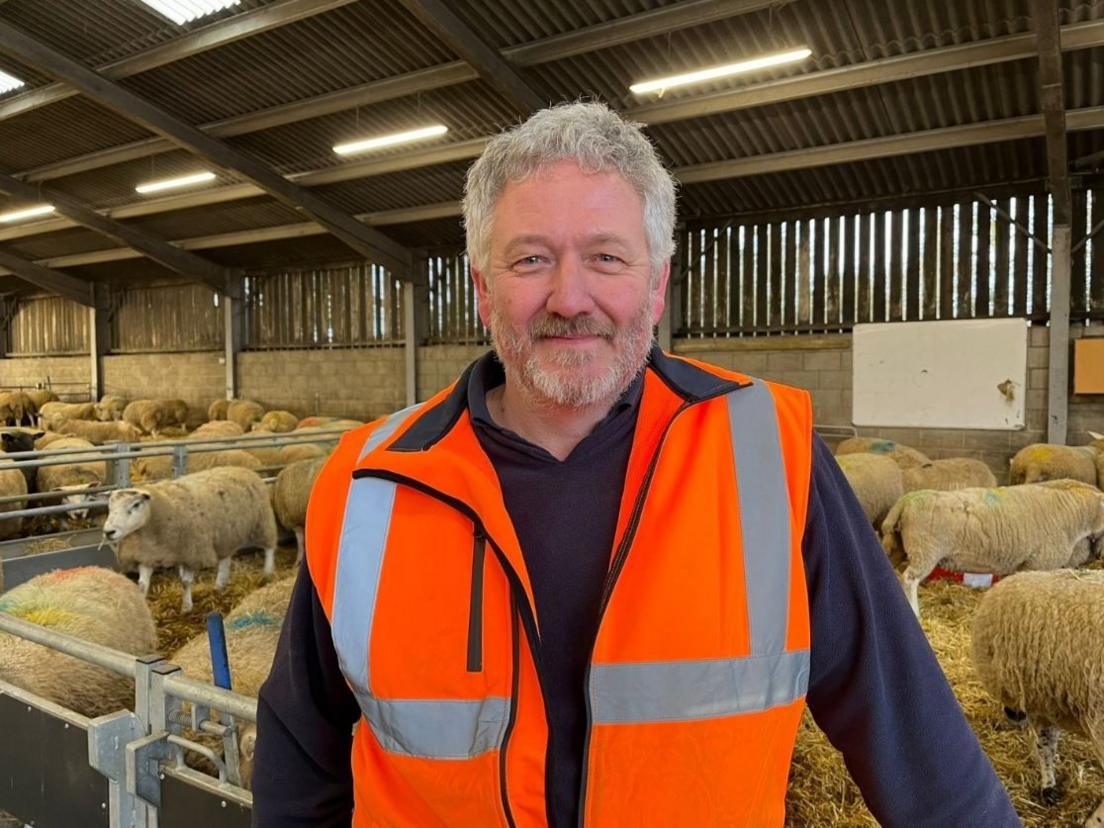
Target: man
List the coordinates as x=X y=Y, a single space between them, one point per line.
x=591 y=583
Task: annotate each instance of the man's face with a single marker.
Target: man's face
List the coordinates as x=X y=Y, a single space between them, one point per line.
x=569 y=297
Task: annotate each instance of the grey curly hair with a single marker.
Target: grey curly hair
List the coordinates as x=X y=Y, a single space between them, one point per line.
x=599 y=140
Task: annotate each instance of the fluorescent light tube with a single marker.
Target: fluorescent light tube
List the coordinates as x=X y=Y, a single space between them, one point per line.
x=173 y=183
x=27 y=212
x=715 y=72
x=389 y=140
x=9 y=83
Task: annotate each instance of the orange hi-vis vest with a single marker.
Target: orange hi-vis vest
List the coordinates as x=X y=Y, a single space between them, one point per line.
x=698 y=674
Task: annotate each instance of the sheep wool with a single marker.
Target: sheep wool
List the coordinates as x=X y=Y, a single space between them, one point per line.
x=291 y=492
x=1047 y=461
x=948 y=475
x=41 y=396
x=904 y=456
x=194 y=522
x=875 y=479
x=245 y=413
x=12 y=482
x=217 y=409
x=1037 y=648
x=278 y=422
x=81 y=471
x=53 y=414
x=998 y=530
x=151 y=416
x=148 y=469
x=111 y=431
x=110 y=407
x=91 y=603
x=217 y=428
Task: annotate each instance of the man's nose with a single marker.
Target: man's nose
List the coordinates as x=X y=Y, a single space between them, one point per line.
x=570 y=293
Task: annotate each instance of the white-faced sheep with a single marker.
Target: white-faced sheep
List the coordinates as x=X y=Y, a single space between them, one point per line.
x=904 y=456
x=245 y=413
x=998 y=530
x=80 y=472
x=278 y=422
x=111 y=407
x=290 y=495
x=90 y=603
x=152 y=416
x=101 y=432
x=252 y=633
x=195 y=522
x=1038 y=648
x=53 y=414
x=1047 y=461
x=875 y=479
x=949 y=474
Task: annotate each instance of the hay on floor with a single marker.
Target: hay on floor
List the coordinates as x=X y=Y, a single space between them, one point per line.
x=821 y=792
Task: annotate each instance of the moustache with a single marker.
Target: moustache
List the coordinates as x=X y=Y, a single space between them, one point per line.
x=550 y=326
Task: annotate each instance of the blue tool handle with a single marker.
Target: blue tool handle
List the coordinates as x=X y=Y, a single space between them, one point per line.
x=220 y=662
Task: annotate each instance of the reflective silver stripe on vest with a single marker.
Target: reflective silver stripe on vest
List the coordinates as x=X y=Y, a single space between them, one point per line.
x=769 y=676
x=437 y=729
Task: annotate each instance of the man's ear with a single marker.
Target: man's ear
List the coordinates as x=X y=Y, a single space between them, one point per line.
x=660 y=301
x=483 y=293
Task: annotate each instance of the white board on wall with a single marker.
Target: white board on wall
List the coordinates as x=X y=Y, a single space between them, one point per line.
x=954 y=374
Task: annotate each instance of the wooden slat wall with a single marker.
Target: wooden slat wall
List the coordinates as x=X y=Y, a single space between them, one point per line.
x=453 y=304
x=167 y=318
x=48 y=326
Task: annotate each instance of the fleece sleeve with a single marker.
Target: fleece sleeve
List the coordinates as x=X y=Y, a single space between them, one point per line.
x=302 y=773
x=875 y=687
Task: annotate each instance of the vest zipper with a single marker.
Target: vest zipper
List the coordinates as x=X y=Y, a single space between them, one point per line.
x=617 y=564
x=519 y=600
x=514 y=682
x=475 y=606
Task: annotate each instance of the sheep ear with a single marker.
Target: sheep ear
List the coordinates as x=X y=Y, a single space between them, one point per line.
x=1096 y=436
x=38 y=434
x=144 y=495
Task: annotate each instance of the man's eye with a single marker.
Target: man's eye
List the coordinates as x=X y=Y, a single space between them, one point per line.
x=528 y=260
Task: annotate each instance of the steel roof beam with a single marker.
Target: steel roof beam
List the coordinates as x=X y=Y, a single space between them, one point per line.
x=497 y=71
x=78 y=290
x=156 y=248
x=226 y=31
x=1031 y=126
x=363 y=239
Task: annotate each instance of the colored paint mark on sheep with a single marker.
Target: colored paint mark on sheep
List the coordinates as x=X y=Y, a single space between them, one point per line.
x=45 y=616
x=993 y=497
x=257 y=618
x=883 y=447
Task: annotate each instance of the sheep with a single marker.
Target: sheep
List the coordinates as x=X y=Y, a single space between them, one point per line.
x=947 y=475
x=101 y=432
x=252 y=632
x=904 y=456
x=217 y=409
x=1037 y=649
x=217 y=428
x=293 y=452
x=245 y=413
x=179 y=410
x=291 y=492
x=12 y=482
x=278 y=422
x=110 y=407
x=40 y=397
x=46 y=439
x=152 y=416
x=194 y=522
x=91 y=603
x=148 y=469
x=17 y=408
x=328 y=422
x=875 y=479
x=996 y=530
x=1047 y=461
x=52 y=414
x=81 y=472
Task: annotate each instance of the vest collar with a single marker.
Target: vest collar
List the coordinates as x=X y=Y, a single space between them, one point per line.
x=687 y=380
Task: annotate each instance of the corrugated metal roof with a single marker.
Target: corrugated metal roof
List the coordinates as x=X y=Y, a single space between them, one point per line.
x=375 y=39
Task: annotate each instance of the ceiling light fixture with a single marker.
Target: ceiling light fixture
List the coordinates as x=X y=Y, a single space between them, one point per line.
x=173 y=183
x=715 y=72
x=26 y=213
x=181 y=11
x=390 y=140
x=9 y=82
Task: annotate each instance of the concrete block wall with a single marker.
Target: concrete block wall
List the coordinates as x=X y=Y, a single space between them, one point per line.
x=68 y=375
x=439 y=365
x=195 y=377
x=361 y=383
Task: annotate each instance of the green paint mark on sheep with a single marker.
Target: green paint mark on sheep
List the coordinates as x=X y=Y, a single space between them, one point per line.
x=993 y=497
x=883 y=447
x=257 y=618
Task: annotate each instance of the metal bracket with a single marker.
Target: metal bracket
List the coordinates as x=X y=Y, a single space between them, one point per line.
x=108 y=738
x=143 y=766
x=180 y=460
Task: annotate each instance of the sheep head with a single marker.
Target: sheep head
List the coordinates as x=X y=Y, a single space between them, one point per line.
x=128 y=510
x=78 y=495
